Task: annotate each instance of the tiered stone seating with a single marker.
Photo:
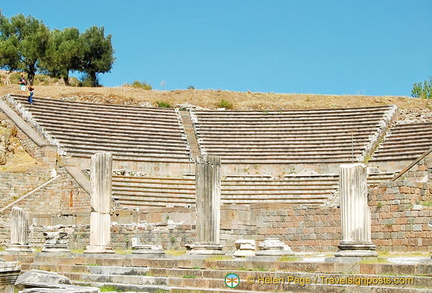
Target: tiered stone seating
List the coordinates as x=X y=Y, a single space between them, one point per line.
x=295 y=189
x=405 y=142
x=138 y=191
x=292 y=136
x=130 y=133
x=144 y=192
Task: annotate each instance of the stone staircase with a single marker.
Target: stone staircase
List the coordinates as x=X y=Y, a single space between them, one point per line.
x=187 y=273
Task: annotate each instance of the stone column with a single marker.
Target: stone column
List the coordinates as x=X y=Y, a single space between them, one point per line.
x=355 y=212
x=208 y=201
x=101 y=192
x=19 y=231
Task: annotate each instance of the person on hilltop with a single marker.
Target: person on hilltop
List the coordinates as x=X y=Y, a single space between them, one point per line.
x=30 y=97
x=23 y=83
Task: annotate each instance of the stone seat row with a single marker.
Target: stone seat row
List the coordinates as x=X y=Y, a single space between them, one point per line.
x=290 y=122
x=149 y=132
x=163 y=118
x=348 y=113
x=233 y=131
x=132 y=157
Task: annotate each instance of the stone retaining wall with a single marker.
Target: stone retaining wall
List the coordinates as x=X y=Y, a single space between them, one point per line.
x=13 y=185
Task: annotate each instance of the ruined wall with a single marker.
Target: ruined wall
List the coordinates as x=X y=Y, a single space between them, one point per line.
x=14 y=185
x=402 y=210
x=401 y=218
x=62 y=201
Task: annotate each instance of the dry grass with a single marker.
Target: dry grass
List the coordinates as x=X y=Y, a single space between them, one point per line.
x=210 y=99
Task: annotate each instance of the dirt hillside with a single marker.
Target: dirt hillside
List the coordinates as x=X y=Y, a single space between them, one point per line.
x=410 y=108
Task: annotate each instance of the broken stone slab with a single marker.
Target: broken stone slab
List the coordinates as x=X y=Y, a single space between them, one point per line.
x=9 y=272
x=42 y=279
x=149 y=249
x=205 y=249
x=56 y=241
x=245 y=247
x=37 y=281
x=273 y=247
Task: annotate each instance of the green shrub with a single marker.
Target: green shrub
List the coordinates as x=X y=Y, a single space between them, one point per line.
x=162 y=104
x=141 y=85
x=225 y=104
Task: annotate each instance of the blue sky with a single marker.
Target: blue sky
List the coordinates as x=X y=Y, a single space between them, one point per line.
x=377 y=47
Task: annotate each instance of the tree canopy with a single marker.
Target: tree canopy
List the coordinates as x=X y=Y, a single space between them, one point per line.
x=422 y=89
x=28 y=45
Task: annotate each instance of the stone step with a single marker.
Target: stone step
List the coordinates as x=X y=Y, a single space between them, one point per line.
x=348 y=152
x=305 y=264
x=123 y=287
x=173 y=180
x=113 y=278
x=92 y=128
x=91 y=118
x=261 y=281
x=276 y=161
x=124 y=148
x=285 y=135
x=295 y=142
x=250 y=129
x=95 y=135
x=139 y=144
x=287 y=119
x=172 y=189
x=131 y=157
x=283 y=148
x=125 y=154
x=331 y=112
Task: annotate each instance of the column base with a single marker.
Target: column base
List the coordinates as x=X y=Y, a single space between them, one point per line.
x=356 y=253
x=273 y=253
x=356 y=250
x=56 y=248
x=19 y=248
x=148 y=249
x=98 y=250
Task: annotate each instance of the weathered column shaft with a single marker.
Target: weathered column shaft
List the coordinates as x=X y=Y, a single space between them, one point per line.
x=208 y=194
x=101 y=192
x=355 y=212
x=19 y=227
x=101 y=182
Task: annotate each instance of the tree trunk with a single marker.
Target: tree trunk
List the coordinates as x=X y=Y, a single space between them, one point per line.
x=66 y=80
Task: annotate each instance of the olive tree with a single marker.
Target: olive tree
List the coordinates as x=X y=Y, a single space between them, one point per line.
x=64 y=53
x=23 y=41
x=98 y=53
